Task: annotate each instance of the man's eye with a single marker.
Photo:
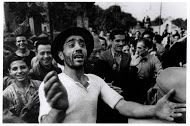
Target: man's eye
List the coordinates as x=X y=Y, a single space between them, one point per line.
x=71 y=45
x=117 y=40
x=49 y=53
x=82 y=44
x=42 y=53
x=14 y=68
x=23 y=67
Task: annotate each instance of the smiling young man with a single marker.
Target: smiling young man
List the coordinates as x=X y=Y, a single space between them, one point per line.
x=71 y=97
x=43 y=63
x=22 y=48
x=22 y=94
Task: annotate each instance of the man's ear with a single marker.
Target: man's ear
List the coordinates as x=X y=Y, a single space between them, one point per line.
x=9 y=71
x=60 y=54
x=146 y=48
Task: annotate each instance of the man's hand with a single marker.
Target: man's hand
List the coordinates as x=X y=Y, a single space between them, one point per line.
x=55 y=92
x=33 y=100
x=167 y=110
x=135 y=59
x=28 y=108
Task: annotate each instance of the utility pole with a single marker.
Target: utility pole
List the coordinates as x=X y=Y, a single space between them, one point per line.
x=160 y=17
x=50 y=21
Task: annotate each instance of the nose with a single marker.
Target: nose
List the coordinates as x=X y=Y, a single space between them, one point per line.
x=22 y=41
x=78 y=47
x=19 y=70
x=45 y=55
x=121 y=42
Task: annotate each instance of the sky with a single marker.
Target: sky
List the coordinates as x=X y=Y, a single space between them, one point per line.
x=152 y=9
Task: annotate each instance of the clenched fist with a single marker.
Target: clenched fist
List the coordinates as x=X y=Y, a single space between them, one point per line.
x=55 y=92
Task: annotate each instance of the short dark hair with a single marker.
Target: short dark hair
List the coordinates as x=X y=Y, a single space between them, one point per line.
x=116 y=32
x=102 y=38
x=41 y=41
x=21 y=35
x=13 y=58
x=146 y=42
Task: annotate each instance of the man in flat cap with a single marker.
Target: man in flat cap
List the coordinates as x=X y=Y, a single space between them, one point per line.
x=71 y=97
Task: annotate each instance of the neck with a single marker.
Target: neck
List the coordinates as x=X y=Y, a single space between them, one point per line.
x=145 y=54
x=23 y=84
x=22 y=52
x=76 y=75
x=113 y=51
x=46 y=66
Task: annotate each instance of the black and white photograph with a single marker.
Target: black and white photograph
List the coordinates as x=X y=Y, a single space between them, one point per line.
x=104 y=62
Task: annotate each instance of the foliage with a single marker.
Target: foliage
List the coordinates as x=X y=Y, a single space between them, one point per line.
x=113 y=17
x=19 y=10
x=180 y=23
x=157 y=21
x=65 y=14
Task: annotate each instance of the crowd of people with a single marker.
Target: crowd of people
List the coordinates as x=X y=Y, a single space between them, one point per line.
x=86 y=77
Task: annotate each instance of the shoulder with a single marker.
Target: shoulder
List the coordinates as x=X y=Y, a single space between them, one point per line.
x=106 y=53
x=95 y=78
x=154 y=59
x=35 y=66
x=57 y=69
x=36 y=83
x=9 y=90
x=106 y=56
x=32 y=53
x=7 y=81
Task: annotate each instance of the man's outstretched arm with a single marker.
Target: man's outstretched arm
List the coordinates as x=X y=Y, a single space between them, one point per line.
x=164 y=109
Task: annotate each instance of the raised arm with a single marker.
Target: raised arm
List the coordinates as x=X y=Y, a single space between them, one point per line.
x=56 y=96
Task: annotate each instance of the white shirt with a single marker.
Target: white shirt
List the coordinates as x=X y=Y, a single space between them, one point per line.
x=82 y=101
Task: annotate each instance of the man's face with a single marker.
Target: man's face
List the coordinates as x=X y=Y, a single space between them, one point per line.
x=141 y=50
x=175 y=38
x=126 y=49
x=21 y=42
x=137 y=34
x=44 y=55
x=118 y=43
x=108 y=36
x=19 y=70
x=74 y=52
x=103 y=44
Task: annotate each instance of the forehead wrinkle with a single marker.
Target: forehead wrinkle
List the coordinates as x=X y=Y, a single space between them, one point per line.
x=74 y=39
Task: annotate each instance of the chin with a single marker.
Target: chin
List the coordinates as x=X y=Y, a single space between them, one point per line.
x=46 y=64
x=20 y=80
x=79 y=66
x=119 y=50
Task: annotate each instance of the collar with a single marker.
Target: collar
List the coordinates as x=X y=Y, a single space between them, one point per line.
x=78 y=83
x=19 y=53
x=114 y=53
x=31 y=85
